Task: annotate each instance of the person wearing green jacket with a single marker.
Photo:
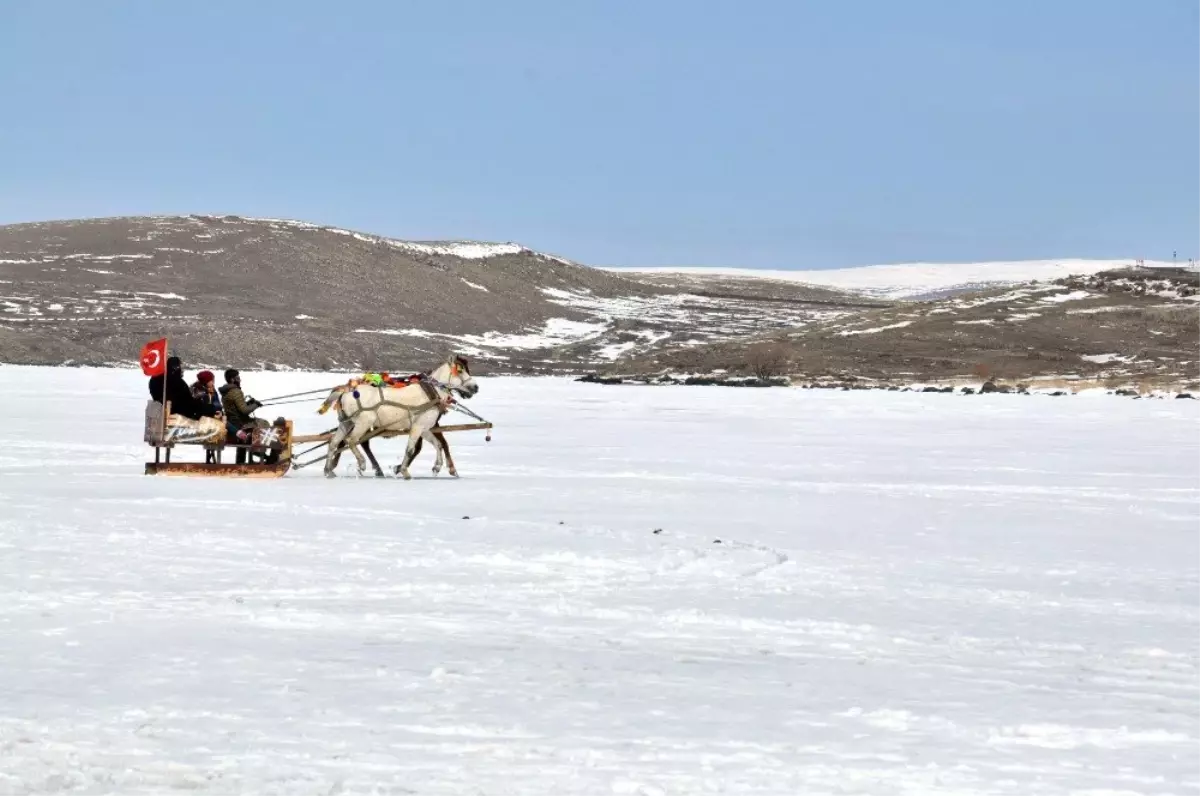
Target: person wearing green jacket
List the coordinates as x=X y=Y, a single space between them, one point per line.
x=238 y=408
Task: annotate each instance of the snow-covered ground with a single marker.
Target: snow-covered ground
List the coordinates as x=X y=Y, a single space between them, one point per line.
x=911 y=280
x=851 y=593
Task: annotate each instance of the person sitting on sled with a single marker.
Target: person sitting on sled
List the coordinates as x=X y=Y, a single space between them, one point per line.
x=204 y=389
x=238 y=409
x=178 y=393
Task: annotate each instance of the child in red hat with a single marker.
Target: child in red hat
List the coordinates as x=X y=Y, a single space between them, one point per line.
x=205 y=390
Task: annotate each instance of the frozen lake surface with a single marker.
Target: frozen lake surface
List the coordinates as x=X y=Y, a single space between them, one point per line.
x=630 y=591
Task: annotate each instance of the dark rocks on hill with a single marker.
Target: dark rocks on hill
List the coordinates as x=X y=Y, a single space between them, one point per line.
x=709 y=381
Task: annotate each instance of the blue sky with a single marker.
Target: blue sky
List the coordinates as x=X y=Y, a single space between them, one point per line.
x=765 y=134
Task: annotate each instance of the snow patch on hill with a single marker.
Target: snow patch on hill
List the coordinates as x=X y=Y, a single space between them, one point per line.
x=913 y=280
x=467 y=250
x=619 y=326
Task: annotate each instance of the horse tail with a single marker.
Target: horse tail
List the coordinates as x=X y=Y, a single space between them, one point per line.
x=331 y=399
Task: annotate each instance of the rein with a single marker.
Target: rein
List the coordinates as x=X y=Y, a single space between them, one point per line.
x=280 y=399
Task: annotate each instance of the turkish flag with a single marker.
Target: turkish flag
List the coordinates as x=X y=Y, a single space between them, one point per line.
x=154 y=357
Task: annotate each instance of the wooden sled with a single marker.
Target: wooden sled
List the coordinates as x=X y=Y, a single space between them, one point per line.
x=159 y=434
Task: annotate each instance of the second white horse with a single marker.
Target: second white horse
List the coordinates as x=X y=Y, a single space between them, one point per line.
x=368 y=410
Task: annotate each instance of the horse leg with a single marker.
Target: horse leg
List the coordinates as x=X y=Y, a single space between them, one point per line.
x=347 y=435
x=411 y=451
x=416 y=453
x=335 y=449
x=350 y=445
x=437 y=441
x=337 y=454
x=366 y=446
x=446 y=447
x=442 y=448
x=358 y=457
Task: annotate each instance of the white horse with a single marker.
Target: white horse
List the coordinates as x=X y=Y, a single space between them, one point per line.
x=367 y=410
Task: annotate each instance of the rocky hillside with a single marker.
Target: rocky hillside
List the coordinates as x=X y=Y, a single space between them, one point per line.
x=271 y=293
x=267 y=293
x=1119 y=326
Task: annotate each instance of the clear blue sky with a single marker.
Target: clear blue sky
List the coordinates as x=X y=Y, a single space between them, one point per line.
x=764 y=133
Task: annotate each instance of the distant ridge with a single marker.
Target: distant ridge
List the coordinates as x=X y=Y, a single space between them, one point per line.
x=277 y=293
x=915 y=280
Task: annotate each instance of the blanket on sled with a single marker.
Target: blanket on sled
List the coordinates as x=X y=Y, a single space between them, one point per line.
x=181 y=429
x=184 y=429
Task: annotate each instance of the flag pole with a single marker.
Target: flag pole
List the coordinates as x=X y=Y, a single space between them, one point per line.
x=166 y=345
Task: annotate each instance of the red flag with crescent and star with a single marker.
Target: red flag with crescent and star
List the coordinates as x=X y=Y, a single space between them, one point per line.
x=154 y=357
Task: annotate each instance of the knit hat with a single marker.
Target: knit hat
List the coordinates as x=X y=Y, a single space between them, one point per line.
x=205 y=376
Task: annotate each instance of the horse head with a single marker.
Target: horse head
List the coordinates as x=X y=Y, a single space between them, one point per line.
x=455 y=373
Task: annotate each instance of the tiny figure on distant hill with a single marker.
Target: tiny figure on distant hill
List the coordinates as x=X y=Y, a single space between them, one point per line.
x=178 y=392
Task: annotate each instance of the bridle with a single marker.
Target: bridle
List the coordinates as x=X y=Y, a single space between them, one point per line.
x=457 y=365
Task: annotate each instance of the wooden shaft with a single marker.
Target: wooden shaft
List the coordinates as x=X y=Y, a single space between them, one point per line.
x=301 y=439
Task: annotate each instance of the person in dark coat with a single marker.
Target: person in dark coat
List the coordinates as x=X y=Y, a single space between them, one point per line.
x=178 y=392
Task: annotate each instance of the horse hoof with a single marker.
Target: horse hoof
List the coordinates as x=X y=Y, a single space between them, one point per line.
x=329 y=474
x=454 y=473
x=379 y=474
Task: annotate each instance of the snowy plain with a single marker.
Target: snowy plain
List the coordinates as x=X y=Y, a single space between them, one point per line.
x=911 y=594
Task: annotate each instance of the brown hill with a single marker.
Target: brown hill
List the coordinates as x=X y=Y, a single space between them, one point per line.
x=267 y=293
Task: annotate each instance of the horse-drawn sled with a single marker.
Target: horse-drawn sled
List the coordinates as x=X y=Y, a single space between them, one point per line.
x=367 y=409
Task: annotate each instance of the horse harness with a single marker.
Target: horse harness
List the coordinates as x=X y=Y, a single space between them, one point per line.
x=412 y=411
